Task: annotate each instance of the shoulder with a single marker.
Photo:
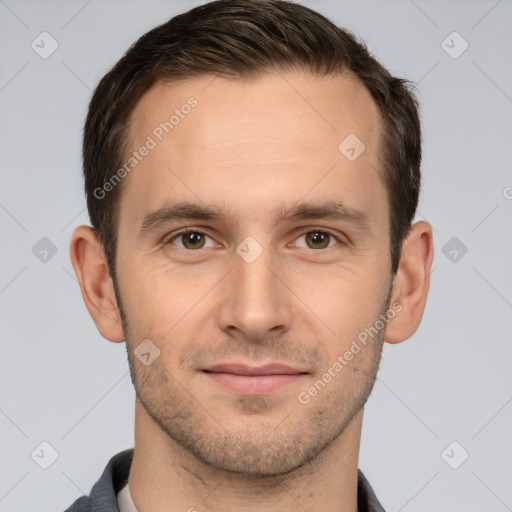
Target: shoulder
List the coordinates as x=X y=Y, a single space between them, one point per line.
x=366 y=499
x=103 y=496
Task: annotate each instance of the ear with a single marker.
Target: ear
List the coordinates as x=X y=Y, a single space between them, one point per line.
x=411 y=283
x=91 y=269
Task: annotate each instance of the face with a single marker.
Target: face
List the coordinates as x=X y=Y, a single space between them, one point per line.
x=248 y=239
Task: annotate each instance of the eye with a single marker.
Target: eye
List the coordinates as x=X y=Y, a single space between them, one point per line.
x=194 y=240
x=191 y=240
x=317 y=239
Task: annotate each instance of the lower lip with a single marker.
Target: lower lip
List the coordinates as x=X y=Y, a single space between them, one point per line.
x=254 y=384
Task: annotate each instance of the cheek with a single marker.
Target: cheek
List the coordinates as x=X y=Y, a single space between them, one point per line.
x=157 y=300
x=344 y=303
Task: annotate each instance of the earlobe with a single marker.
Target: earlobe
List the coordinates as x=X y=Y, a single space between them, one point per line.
x=91 y=269
x=411 y=283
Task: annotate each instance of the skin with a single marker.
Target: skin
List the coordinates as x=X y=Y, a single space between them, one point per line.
x=253 y=149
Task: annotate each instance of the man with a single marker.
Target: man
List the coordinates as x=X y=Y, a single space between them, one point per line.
x=252 y=174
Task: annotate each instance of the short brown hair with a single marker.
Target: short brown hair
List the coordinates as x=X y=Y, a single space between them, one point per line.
x=244 y=39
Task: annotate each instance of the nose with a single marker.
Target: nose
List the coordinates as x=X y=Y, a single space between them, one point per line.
x=255 y=301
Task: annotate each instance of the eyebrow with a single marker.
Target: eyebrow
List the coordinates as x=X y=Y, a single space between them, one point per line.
x=183 y=210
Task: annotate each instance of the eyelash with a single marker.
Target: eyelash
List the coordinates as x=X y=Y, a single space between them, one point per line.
x=197 y=231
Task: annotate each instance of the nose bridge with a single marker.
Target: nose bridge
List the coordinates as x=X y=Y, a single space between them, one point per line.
x=257 y=299
x=252 y=268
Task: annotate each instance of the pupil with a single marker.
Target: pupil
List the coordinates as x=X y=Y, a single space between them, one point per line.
x=321 y=240
x=193 y=239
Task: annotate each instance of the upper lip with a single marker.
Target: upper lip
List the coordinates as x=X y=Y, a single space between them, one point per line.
x=242 y=369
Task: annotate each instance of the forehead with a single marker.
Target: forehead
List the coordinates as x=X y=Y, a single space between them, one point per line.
x=271 y=103
x=279 y=134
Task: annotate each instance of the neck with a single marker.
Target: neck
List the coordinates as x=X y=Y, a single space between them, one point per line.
x=165 y=476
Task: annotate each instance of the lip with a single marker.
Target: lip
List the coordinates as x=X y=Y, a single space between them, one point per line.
x=244 y=369
x=254 y=380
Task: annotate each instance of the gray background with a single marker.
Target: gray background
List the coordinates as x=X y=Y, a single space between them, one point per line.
x=62 y=383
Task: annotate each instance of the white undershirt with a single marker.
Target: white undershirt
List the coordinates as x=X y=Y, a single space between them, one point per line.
x=124 y=500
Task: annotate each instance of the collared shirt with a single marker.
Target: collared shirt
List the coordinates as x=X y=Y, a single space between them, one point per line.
x=104 y=494
x=124 y=500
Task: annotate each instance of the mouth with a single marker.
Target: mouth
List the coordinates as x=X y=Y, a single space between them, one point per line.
x=254 y=380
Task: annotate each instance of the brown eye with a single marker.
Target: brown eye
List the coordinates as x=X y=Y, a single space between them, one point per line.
x=192 y=240
x=317 y=239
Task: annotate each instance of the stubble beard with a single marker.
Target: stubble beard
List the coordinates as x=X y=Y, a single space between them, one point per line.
x=261 y=448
